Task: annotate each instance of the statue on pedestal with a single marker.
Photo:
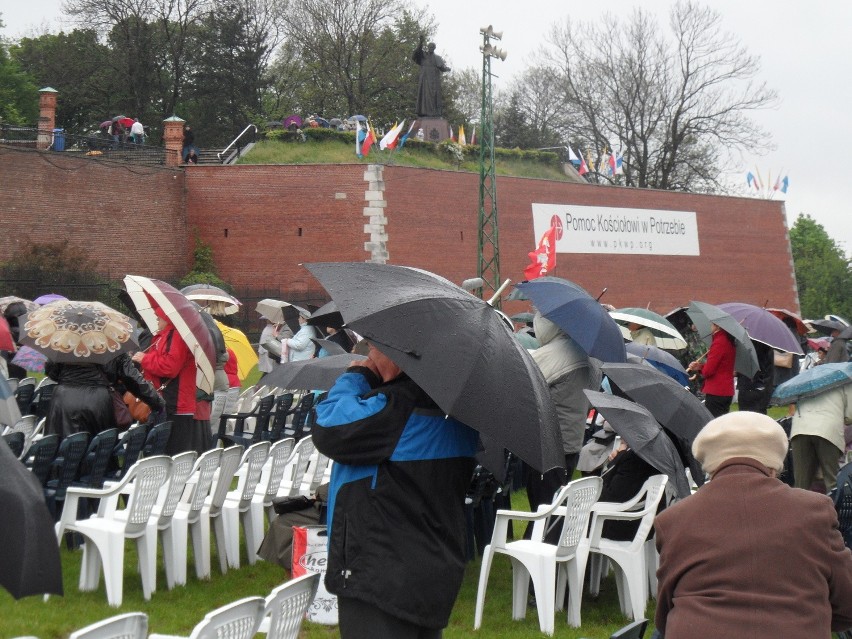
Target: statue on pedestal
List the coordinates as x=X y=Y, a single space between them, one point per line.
x=429 y=88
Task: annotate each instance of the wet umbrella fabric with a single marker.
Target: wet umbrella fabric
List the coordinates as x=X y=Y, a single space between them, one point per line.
x=292 y=119
x=29 y=359
x=78 y=332
x=9 y=411
x=762 y=326
x=703 y=314
x=665 y=333
x=318 y=373
x=846 y=333
x=823 y=326
x=237 y=341
x=274 y=310
x=812 y=382
x=578 y=314
x=29 y=554
x=644 y=435
x=219 y=301
x=783 y=313
x=671 y=404
x=455 y=347
x=105 y=124
x=5 y=302
x=326 y=316
x=662 y=360
x=48 y=298
x=146 y=292
x=330 y=348
x=7 y=342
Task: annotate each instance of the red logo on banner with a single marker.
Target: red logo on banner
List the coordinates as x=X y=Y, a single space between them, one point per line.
x=556 y=221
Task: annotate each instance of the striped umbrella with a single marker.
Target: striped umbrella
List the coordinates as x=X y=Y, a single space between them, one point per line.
x=147 y=293
x=665 y=333
x=9 y=411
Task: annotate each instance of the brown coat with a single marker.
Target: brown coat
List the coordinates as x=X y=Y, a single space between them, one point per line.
x=748 y=556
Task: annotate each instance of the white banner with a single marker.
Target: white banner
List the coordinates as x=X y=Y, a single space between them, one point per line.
x=599 y=229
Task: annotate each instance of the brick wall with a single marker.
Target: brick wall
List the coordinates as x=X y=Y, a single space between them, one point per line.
x=264 y=221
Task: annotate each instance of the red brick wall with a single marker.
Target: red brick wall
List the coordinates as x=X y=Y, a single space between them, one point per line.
x=132 y=217
x=264 y=221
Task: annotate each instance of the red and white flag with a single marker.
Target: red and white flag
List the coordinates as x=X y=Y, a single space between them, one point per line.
x=543 y=259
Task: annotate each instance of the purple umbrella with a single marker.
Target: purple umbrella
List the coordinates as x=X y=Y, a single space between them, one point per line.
x=292 y=119
x=762 y=326
x=29 y=359
x=48 y=298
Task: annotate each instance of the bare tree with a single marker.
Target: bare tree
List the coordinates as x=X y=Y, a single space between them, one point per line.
x=676 y=106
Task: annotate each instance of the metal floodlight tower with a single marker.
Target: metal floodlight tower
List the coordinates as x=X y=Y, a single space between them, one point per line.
x=489 y=247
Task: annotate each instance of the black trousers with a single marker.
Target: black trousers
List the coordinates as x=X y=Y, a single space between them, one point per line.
x=360 y=620
x=718 y=405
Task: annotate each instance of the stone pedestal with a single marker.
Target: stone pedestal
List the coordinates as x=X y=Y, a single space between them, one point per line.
x=434 y=129
x=173 y=139
x=46 y=117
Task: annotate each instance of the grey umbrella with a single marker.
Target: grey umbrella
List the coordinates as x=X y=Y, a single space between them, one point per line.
x=703 y=315
x=643 y=434
x=456 y=348
x=318 y=373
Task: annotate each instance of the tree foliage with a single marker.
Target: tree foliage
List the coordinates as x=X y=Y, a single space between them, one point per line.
x=18 y=93
x=823 y=272
x=674 y=104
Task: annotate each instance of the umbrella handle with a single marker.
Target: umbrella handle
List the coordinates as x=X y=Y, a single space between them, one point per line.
x=497 y=293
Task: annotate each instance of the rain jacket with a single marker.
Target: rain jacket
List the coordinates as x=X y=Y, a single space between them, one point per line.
x=82 y=400
x=169 y=361
x=824 y=416
x=718 y=370
x=300 y=345
x=396 y=497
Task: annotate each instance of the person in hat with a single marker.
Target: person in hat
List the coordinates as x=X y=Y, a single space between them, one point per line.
x=747 y=555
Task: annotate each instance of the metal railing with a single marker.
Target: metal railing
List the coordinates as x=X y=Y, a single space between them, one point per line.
x=237 y=143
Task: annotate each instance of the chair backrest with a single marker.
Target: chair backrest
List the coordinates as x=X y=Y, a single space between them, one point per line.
x=205 y=467
x=287 y=604
x=317 y=466
x=299 y=463
x=283 y=403
x=98 y=456
x=158 y=438
x=578 y=497
x=147 y=477
x=300 y=415
x=15 y=439
x=130 y=447
x=68 y=457
x=635 y=630
x=42 y=397
x=654 y=489
x=170 y=494
x=131 y=625
x=263 y=416
x=237 y=620
x=26 y=425
x=253 y=459
x=279 y=455
x=24 y=394
x=842 y=496
x=41 y=454
x=228 y=466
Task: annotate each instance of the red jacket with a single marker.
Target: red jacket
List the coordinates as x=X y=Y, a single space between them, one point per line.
x=169 y=358
x=718 y=370
x=231 y=370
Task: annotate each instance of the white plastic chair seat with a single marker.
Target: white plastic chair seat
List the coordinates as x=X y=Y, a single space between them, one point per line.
x=538 y=560
x=131 y=625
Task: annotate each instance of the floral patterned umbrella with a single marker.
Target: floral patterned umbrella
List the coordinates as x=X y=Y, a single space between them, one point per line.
x=78 y=332
x=29 y=359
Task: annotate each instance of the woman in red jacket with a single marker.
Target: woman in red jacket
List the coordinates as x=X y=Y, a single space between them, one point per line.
x=718 y=372
x=168 y=363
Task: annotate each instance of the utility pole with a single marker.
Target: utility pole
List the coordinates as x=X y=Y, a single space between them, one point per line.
x=488 y=245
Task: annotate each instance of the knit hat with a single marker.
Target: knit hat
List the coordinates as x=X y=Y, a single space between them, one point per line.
x=741 y=434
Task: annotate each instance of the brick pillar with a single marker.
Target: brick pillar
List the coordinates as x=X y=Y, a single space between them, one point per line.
x=173 y=137
x=46 y=117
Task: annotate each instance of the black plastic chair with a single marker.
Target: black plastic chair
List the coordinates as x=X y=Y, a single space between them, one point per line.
x=42 y=397
x=842 y=496
x=15 y=440
x=40 y=456
x=64 y=470
x=262 y=413
x=94 y=467
x=296 y=428
x=635 y=630
x=127 y=451
x=158 y=439
x=24 y=394
x=283 y=404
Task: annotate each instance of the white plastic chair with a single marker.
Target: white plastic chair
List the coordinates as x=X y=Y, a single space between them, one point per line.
x=314 y=473
x=291 y=485
x=236 y=508
x=286 y=606
x=131 y=625
x=538 y=560
x=163 y=513
x=211 y=512
x=628 y=557
x=188 y=514
x=104 y=533
x=237 y=620
x=267 y=489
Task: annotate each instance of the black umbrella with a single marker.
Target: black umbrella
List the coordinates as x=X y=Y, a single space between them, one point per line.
x=827 y=326
x=29 y=554
x=643 y=434
x=318 y=373
x=456 y=348
x=326 y=316
x=331 y=348
x=670 y=403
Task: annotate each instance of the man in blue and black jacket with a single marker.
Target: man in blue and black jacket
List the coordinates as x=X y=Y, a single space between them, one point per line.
x=396 y=519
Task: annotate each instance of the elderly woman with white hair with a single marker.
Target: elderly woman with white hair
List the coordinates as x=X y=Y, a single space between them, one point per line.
x=747 y=555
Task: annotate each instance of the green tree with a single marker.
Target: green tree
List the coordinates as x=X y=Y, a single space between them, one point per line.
x=823 y=272
x=18 y=91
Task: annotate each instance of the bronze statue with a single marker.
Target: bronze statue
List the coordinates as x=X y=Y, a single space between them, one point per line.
x=429 y=89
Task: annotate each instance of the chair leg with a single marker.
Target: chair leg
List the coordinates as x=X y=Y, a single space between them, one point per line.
x=520 y=589
x=595 y=561
x=201 y=546
x=90 y=569
x=485 y=569
x=113 y=564
x=176 y=537
x=652 y=562
x=146 y=546
x=220 y=532
x=254 y=538
x=247 y=519
x=544 y=586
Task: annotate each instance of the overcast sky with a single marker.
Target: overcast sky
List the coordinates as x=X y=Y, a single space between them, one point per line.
x=804 y=52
